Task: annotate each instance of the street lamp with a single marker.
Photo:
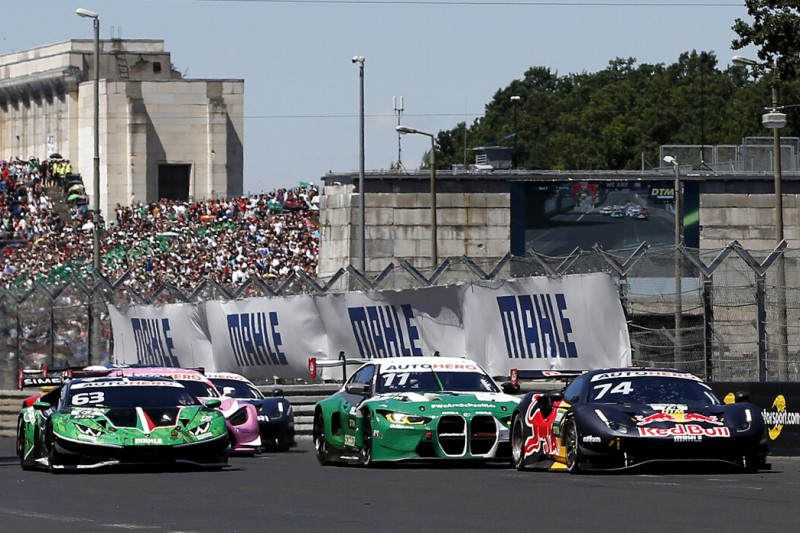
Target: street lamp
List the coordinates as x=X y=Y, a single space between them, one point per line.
x=515 y=102
x=774 y=120
x=403 y=130
x=678 y=286
x=359 y=60
x=85 y=13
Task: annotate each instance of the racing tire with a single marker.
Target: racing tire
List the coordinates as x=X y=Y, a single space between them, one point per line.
x=21 y=445
x=320 y=443
x=53 y=457
x=517 y=444
x=573 y=456
x=365 y=453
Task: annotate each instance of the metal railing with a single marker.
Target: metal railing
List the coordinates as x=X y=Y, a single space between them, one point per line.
x=739 y=313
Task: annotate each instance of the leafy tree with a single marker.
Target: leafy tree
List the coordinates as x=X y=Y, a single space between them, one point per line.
x=775 y=27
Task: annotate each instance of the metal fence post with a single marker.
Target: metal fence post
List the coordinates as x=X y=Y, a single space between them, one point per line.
x=708 y=325
x=761 y=325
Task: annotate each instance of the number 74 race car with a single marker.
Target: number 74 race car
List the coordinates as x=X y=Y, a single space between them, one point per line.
x=404 y=408
x=619 y=418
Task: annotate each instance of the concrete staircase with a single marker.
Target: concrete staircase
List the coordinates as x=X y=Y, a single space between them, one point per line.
x=303 y=398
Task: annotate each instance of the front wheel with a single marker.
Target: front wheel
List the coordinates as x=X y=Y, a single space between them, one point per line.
x=573 y=453
x=320 y=443
x=365 y=455
x=21 y=442
x=518 y=444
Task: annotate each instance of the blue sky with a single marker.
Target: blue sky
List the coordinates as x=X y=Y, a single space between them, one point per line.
x=445 y=58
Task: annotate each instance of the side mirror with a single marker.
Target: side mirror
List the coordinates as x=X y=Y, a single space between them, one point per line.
x=509 y=388
x=361 y=389
x=41 y=405
x=742 y=397
x=278 y=393
x=213 y=403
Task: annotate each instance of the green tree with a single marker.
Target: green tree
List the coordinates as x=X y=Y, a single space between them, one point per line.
x=774 y=30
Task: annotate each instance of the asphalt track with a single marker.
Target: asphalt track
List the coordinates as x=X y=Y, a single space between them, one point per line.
x=290 y=492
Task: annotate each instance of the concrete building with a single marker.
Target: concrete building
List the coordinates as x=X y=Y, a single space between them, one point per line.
x=487 y=214
x=161 y=136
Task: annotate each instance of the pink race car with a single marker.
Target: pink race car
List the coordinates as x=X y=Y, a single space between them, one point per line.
x=241 y=418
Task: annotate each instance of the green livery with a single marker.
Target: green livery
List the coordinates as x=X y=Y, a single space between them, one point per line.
x=96 y=422
x=411 y=408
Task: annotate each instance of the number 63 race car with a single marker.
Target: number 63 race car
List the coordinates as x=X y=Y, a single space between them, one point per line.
x=414 y=408
x=96 y=422
x=620 y=418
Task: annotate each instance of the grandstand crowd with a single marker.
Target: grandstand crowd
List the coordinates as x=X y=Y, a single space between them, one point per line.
x=268 y=236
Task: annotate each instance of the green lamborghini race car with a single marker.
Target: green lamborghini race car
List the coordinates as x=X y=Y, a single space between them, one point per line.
x=96 y=422
x=410 y=408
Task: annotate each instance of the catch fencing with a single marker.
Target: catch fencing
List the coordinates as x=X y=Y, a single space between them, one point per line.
x=727 y=314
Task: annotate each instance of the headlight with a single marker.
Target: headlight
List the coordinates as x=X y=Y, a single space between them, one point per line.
x=199 y=430
x=92 y=432
x=610 y=424
x=403 y=418
x=748 y=421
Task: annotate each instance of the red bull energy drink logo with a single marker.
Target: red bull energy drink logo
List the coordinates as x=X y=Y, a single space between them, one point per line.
x=682 y=430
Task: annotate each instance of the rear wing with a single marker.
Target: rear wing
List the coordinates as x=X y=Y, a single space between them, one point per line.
x=542 y=375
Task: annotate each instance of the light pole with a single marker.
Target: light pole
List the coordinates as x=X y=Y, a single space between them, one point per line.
x=515 y=102
x=85 y=13
x=359 y=60
x=397 y=103
x=403 y=130
x=774 y=119
x=678 y=274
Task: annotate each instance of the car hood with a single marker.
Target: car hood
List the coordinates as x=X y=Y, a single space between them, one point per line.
x=445 y=401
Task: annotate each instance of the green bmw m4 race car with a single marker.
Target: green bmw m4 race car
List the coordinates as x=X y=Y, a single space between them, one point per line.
x=96 y=422
x=410 y=408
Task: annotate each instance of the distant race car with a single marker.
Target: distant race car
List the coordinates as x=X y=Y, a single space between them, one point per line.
x=618 y=213
x=404 y=408
x=275 y=415
x=96 y=422
x=241 y=417
x=621 y=418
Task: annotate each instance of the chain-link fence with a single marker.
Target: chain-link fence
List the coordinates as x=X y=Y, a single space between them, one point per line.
x=726 y=315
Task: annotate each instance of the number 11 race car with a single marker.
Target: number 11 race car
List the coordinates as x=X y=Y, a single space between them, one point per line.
x=405 y=408
x=620 y=418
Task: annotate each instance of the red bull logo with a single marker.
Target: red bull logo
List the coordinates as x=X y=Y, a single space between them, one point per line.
x=542 y=439
x=677 y=418
x=685 y=430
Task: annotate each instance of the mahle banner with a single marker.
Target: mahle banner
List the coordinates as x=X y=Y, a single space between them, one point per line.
x=569 y=323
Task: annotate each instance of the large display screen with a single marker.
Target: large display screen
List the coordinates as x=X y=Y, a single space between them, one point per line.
x=553 y=218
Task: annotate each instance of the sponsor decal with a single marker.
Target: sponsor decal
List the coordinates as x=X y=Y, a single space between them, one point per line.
x=676 y=414
x=644 y=373
x=687 y=438
x=148 y=440
x=536 y=326
x=262 y=418
x=125 y=383
x=385 y=331
x=431 y=366
x=461 y=406
x=349 y=440
x=83 y=412
x=542 y=440
x=684 y=429
x=591 y=439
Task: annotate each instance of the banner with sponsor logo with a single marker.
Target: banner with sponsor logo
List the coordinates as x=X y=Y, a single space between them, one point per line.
x=567 y=323
x=574 y=322
x=161 y=335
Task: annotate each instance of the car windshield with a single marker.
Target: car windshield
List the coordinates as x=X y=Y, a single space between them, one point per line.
x=430 y=381
x=651 y=389
x=116 y=396
x=201 y=389
x=236 y=388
